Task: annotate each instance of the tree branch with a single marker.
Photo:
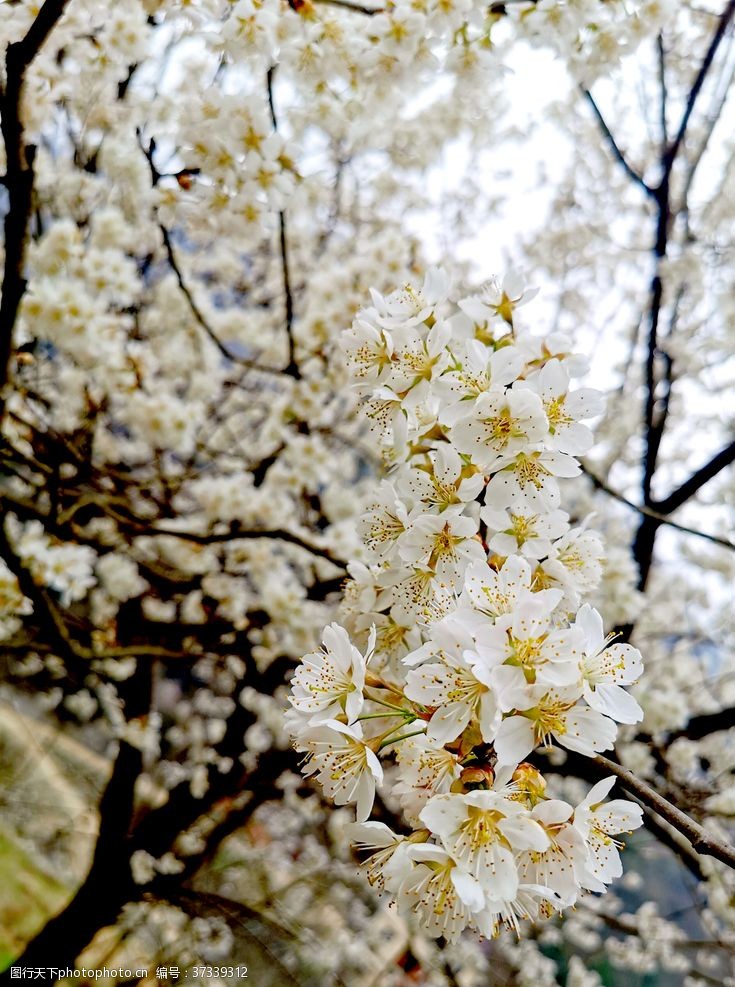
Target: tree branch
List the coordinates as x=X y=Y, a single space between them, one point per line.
x=236 y=534
x=724 y=458
x=356 y=8
x=199 y=316
x=653 y=427
x=107 y=886
x=19 y=175
x=701 y=840
x=694 y=92
x=183 y=286
x=724 y=89
x=662 y=87
x=612 y=143
x=648 y=512
x=293 y=368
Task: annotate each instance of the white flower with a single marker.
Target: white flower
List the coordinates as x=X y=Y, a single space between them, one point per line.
x=424 y=770
x=344 y=764
x=555 y=867
x=331 y=681
x=367 y=349
x=499 y=423
x=598 y=822
x=384 y=521
x=564 y=409
x=606 y=668
x=443 y=482
x=553 y=714
x=530 y=901
x=575 y=562
x=532 y=650
x=482 y=830
x=492 y=592
x=478 y=370
x=416 y=356
x=498 y=300
x=445 y=543
x=389 y=863
x=527 y=481
x=456 y=683
x=525 y=533
x=413 y=592
x=440 y=894
x=409 y=305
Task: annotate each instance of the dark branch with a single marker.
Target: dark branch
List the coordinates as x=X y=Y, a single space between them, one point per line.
x=612 y=143
x=18 y=175
x=108 y=885
x=655 y=515
x=356 y=8
x=694 y=92
x=724 y=458
x=654 y=423
x=199 y=316
x=662 y=87
x=293 y=367
x=173 y=263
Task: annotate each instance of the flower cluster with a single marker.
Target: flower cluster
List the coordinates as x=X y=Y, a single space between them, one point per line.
x=480 y=651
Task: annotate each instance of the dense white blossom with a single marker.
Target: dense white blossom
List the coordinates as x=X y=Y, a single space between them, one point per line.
x=510 y=660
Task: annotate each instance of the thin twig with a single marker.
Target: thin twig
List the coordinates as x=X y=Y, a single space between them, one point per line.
x=711 y=122
x=694 y=92
x=701 y=840
x=662 y=86
x=356 y=8
x=648 y=512
x=237 y=534
x=613 y=144
x=199 y=316
x=173 y=263
x=293 y=368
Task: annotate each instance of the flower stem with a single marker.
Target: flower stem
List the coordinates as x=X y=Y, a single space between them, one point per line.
x=396 y=740
x=377 y=716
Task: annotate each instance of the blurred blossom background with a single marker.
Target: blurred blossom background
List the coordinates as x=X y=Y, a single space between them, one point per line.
x=198 y=197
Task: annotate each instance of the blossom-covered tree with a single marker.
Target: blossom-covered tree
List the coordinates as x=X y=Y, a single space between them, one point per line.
x=245 y=412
